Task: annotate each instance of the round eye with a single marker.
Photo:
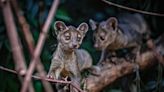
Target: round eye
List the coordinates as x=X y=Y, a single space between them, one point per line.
x=78 y=37
x=67 y=36
x=102 y=37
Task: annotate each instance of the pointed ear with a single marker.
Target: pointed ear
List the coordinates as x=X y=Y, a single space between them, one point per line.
x=112 y=23
x=59 y=26
x=93 y=24
x=83 y=27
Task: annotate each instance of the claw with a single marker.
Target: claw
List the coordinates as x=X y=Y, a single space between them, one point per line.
x=65 y=79
x=50 y=77
x=136 y=68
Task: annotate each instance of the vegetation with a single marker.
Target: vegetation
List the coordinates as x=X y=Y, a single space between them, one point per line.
x=73 y=12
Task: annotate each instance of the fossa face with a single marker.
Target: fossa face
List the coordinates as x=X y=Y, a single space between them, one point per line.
x=104 y=33
x=70 y=38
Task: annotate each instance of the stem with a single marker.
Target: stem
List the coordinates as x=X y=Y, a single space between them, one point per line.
x=30 y=42
x=14 y=41
x=39 y=45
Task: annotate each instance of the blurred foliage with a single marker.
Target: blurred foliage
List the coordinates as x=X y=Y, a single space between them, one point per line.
x=73 y=12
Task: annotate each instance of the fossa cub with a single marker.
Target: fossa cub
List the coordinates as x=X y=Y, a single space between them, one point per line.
x=126 y=31
x=68 y=60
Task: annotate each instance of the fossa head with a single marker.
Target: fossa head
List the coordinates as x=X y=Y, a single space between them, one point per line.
x=69 y=37
x=105 y=32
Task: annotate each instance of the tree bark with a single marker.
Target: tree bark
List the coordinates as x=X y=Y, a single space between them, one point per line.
x=110 y=72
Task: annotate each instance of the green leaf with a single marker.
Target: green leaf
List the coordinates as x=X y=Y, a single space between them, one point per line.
x=38 y=86
x=63 y=15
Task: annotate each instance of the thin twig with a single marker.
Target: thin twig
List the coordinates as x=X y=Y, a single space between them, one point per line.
x=132 y=9
x=39 y=45
x=8 y=70
x=43 y=78
x=37 y=77
x=30 y=43
x=14 y=41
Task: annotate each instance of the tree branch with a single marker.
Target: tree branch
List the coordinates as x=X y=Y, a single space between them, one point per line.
x=30 y=43
x=109 y=72
x=43 y=78
x=133 y=9
x=39 y=45
x=13 y=38
x=14 y=41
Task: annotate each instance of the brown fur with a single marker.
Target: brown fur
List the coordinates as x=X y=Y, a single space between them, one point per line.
x=68 y=60
x=126 y=31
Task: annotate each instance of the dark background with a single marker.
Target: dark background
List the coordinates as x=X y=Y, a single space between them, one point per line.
x=73 y=12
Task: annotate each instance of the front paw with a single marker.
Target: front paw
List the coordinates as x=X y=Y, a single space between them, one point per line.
x=50 y=76
x=66 y=78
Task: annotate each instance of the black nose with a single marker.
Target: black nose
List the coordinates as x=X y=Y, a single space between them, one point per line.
x=74 y=45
